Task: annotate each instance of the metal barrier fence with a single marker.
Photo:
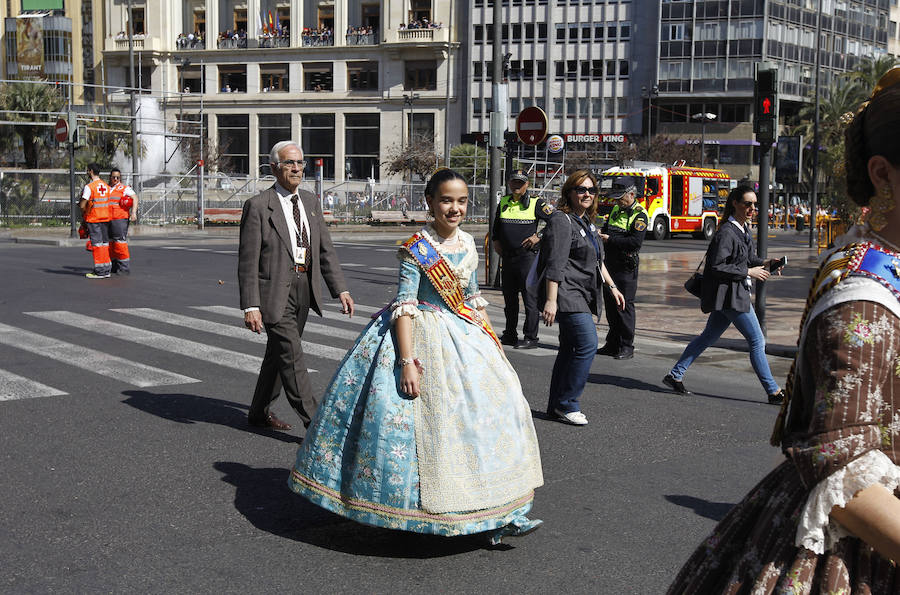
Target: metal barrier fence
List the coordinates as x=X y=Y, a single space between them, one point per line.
x=172 y=198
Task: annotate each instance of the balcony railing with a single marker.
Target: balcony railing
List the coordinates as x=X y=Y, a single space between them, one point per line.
x=276 y=41
x=232 y=43
x=422 y=35
x=187 y=43
x=317 y=38
x=122 y=42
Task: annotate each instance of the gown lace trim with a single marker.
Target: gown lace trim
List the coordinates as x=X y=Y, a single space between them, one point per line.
x=816 y=530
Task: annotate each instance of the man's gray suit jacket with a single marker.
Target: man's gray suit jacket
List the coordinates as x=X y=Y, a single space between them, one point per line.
x=265 y=255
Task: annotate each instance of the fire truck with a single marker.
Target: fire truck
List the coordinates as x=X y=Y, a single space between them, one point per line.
x=678 y=199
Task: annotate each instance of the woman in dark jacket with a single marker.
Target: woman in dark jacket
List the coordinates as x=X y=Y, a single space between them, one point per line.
x=570 y=263
x=731 y=263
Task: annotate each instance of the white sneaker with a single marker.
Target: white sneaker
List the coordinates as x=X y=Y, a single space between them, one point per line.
x=576 y=418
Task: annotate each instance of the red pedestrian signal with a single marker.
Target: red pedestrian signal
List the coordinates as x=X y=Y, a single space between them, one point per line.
x=765 y=123
x=766 y=105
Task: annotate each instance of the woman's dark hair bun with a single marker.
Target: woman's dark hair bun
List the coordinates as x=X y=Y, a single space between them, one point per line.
x=444 y=174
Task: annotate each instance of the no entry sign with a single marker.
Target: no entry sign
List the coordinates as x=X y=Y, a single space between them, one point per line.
x=62 y=130
x=531 y=125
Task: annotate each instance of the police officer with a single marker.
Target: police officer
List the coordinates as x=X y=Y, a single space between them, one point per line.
x=515 y=240
x=622 y=234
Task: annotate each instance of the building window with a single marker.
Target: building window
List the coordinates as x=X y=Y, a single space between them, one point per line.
x=371 y=15
x=240 y=20
x=317 y=140
x=137 y=19
x=191 y=78
x=234 y=144
x=542 y=31
x=573 y=33
x=622 y=106
x=420 y=10
x=362 y=136
x=421 y=125
x=233 y=78
x=529 y=31
x=596 y=107
x=583 y=104
x=325 y=16
x=476 y=107
x=570 y=107
x=625 y=30
x=273 y=128
x=362 y=76
x=560 y=33
x=200 y=21
x=421 y=75
x=273 y=77
x=515 y=106
x=318 y=76
x=623 y=68
x=542 y=69
x=558 y=107
x=675 y=31
x=598 y=31
x=479 y=34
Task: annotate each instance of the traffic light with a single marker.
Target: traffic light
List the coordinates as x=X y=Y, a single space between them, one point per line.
x=765 y=102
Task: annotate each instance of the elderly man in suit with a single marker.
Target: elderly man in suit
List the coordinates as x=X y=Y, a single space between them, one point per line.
x=284 y=247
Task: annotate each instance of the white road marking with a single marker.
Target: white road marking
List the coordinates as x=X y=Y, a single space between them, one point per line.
x=207 y=353
x=312 y=327
x=388 y=269
x=13 y=386
x=89 y=359
x=227 y=330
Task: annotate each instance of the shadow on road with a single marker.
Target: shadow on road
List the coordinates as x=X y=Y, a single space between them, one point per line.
x=263 y=497
x=625 y=382
x=69 y=270
x=189 y=409
x=711 y=510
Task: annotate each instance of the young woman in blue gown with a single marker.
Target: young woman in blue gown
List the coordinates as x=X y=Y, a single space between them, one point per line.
x=424 y=427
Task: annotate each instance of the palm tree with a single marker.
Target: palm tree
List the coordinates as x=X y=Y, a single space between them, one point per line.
x=870 y=70
x=23 y=102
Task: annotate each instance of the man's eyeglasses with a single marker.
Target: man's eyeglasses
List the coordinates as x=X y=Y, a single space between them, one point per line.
x=292 y=162
x=585 y=190
x=115 y=177
x=750 y=204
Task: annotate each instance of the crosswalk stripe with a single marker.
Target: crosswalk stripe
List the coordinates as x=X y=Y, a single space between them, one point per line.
x=312 y=327
x=352 y=264
x=388 y=269
x=226 y=330
x=89 y=359
x=208 y=353
x=13 y=386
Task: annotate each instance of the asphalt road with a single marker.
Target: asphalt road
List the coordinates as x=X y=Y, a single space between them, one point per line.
x=125 y=478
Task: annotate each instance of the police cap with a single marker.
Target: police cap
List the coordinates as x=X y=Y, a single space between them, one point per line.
x=620 y=188
x=518 y=175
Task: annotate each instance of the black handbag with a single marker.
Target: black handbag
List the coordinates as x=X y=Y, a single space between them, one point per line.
x=694 y=285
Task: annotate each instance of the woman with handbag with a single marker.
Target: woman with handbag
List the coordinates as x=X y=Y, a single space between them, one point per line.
x=731 y=263
x=570 y=268
x=827 y=520
x=424 y=426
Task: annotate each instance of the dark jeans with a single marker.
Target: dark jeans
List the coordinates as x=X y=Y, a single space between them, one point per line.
x=283 y=364
x=577 y=347
x=513 y=275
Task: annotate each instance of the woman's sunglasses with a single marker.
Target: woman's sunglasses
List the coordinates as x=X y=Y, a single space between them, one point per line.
x=585 y=190
x=750 y=204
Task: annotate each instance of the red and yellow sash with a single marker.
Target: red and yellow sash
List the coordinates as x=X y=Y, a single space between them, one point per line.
x=445 y=282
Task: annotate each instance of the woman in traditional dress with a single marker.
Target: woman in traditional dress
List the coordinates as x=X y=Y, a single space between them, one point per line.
x=827 y=520
x=424 y=427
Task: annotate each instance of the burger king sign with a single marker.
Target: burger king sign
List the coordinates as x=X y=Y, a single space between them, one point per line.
x=555 y=143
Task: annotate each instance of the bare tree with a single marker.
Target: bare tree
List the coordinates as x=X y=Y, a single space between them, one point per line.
x=662 y=149
x=416 y=158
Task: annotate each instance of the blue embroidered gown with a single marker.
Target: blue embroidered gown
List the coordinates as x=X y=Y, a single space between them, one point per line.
x=462 y=458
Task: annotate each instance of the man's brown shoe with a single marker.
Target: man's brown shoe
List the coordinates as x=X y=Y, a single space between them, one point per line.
x=270 y=422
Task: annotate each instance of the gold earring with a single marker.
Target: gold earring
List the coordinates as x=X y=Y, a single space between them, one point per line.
x=881 y=204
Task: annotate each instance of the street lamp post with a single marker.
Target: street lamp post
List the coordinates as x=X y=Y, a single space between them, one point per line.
x=649 y=95
x=704 y=117
x=408 y=99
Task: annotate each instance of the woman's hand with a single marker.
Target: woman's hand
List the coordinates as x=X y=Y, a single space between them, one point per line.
x=759 y=273
x=549 y=313
x=620 y=299
x=409 y=380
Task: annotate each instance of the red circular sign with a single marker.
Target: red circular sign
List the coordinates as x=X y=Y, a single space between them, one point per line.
x=62 y=130
x=318 y=163
x=531 y=125
x=200 y=163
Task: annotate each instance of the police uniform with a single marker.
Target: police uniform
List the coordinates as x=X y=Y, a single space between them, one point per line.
x=118 y=229
x=516 y=220
x=626 y=228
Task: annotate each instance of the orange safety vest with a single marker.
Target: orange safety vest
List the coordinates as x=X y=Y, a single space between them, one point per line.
x=98 y=203
x=116 y=211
